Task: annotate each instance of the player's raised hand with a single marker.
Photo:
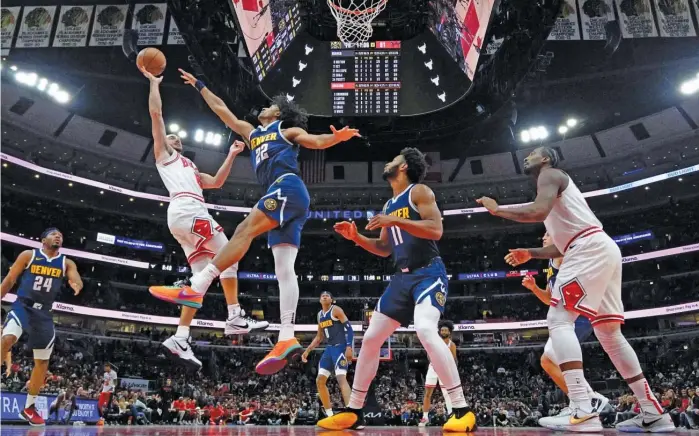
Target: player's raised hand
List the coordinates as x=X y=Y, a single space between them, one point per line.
x=345 y=133
x=488 y=203
x=77 y=287
x=379 y=221
x=518 y=256
x=187 y=77
x=529 y=283
x=347 y=230
x=236 y=148
x=151 y=77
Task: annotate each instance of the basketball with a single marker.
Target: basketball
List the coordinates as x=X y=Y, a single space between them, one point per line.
x=152 y=59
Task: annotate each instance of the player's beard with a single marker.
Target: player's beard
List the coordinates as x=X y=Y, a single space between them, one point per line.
x=444 y=336
x=390 y=173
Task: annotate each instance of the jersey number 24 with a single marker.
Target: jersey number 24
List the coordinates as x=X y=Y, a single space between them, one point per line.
x=42 y=282
x=261 y=154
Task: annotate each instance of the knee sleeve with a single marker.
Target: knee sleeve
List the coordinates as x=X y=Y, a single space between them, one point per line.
x=549 y=353
x=565 y=344
x=618 y=349
x=380 y=328
x=284 y=259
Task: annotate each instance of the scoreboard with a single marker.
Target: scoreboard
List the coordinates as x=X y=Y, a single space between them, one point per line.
x=365 y=78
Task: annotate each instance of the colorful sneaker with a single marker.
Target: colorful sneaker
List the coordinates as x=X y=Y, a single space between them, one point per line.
x=577 y=422
x=179 y=293
x=647 y=423
x=423 y=422
x=277 y=359
x=347 y=419
x=32 y=416
x=460 y=421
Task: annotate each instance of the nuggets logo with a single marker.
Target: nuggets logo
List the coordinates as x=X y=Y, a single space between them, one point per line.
x=441 y=298
x=343 y=362
x=270 y=204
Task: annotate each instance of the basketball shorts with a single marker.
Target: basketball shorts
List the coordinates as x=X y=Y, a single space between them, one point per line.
x=104 y=400
x=431 y=379
x=195 y=229
x=333 y=360
x=287 y=202
x=37 y=323
x=589 y=281
x=409 y=289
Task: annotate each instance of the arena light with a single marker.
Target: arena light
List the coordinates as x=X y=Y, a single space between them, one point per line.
x=174 y=127
x=43 y=84
x=13 y=67
x=525 y=136
x=62 y=97
x=562 y=130
x=690 y=86
x=209 y=139
x=182 y=134
x=199 y=135
x=217 y=139
x=571 y=122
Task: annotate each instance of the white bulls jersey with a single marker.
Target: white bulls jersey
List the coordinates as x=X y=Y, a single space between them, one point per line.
x=108 y=381
x=181 y=177
x=570 y=217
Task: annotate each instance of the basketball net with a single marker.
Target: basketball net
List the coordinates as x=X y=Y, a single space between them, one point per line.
x=354 y=20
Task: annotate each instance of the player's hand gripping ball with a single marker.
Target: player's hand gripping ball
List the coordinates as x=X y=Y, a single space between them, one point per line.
x=152 y=60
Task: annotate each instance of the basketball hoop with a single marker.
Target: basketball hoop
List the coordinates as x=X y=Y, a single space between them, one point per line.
x=354 y=21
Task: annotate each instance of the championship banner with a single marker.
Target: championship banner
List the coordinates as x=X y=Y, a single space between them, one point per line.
x=566 y=26
x=73 y=24
x=149 y=21
x=674 y=18
x=35 y=29
x=594 y=15
x=108 y=27
x=174 y=37
x=636 y=19
x=7 y=25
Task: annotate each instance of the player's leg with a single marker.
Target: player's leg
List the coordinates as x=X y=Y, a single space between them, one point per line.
x=41 y=341
x=345 y=388
x=325 y=366
x=341 y=368
x=447 y=399
x=426 y=405
x=550 y=365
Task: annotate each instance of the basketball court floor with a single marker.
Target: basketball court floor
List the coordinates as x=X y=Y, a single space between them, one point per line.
x=8 y=430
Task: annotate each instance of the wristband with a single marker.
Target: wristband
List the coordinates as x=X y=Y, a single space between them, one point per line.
x=199 y=85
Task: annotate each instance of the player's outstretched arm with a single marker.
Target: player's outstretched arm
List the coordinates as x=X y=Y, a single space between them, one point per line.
x=542 y=294
x=241 y=127
x=212 y=182
x=319 y=142
x=16 y=270
x=429 y=227
x=349 y=332
x=314 y=343
x=378 y=246
x=74 y=279
x=155 y=108
x=548 y=186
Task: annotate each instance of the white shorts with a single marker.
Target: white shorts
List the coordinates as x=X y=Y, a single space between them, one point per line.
x=431 y=379
x=589 y=281
x=194 y=228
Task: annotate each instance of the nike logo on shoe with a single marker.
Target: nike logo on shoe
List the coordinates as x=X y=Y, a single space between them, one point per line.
x=575 y=420
x=649 y=423
x=31 y=415
x=188 y=294
x=180 y=346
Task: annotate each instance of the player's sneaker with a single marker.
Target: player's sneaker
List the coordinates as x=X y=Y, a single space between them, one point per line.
x=460 y=421
x=179 y=293
x=347 y=419
x=100 y=423
x=181 y=350
x=577 y=422
x=277 y=359
x=599 y=402
x=242 y=324
x=32 y=416
x=423 y=422
x=647 y=423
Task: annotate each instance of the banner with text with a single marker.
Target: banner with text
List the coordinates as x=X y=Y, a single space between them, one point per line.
x=149 y=21
x=566 y=26
x=10 y=15
x=108 y=27
x=633 y=237
x=73 y=24
x=35 y=29
x=135 y=384
x=674 y=18
x=594 y=15
x=174 y=37
x=636 y=19
x=136 y=244
x=13 y=403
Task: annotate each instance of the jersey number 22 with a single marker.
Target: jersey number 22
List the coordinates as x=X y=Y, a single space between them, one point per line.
x=261 y=154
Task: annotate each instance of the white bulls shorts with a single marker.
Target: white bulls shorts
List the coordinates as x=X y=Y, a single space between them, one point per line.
x=589 y=281
x=431 y=379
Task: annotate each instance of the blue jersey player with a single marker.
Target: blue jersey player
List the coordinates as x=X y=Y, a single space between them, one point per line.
x=281 y=212
x=335 y=329
x=410 y=225
x=40 y=272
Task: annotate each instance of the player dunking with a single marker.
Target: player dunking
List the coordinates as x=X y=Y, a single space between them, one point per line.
x=410 y=225
x=334 y=326
x=588 y=284
x=194 y=228
x=281 y=212
x=41 y=272
x=583 y=330
x=446 y=328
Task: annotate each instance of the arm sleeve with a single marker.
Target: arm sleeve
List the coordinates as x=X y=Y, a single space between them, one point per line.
x=349 y=334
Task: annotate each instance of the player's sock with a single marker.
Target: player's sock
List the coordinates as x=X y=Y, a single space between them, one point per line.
x=646 y=399
x=233 y=310
x=284 y=259
x=577 y=389
x=380 y=328
x=182 y=332
x=31 y=399
x=328 y=412
x=426 y=415
x=426 y=321
x=201 y=281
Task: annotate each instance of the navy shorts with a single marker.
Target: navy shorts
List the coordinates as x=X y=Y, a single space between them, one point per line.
x=36 y=323
x=409 y=289
x=333 y=360
x=286 y=201
x=583 y=328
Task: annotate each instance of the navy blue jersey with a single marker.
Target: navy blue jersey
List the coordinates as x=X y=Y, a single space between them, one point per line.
x=551 y=273
x=333 y=329
x=272 y=155
x=409 y=252
x=42 y=279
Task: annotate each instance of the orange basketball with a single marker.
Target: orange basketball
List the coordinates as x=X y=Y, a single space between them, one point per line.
x=152 y=59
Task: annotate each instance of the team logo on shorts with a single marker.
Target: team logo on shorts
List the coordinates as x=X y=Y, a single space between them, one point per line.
x=343 y=362
x=270 y=204
x=441 y=298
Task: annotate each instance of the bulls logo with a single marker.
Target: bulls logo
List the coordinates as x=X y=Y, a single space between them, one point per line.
x=270 y=204
x=441 y=298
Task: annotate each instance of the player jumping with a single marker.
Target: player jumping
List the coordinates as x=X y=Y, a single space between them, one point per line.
x=334 y=326
x=410 y=225
x=281 y=212
x=588 y=284
x=446 y=328
x=194 y=228
x=41 y=272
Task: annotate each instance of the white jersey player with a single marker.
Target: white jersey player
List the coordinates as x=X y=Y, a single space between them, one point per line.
x=194 y=228
x=588 y=284
x=446 y=328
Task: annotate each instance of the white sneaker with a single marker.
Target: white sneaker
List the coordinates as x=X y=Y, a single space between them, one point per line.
x=242 y=324
x=647 y=423
x=578 y=422
x=423 y=422
x=566 y=411
x=181 y=350
x=599 y=402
